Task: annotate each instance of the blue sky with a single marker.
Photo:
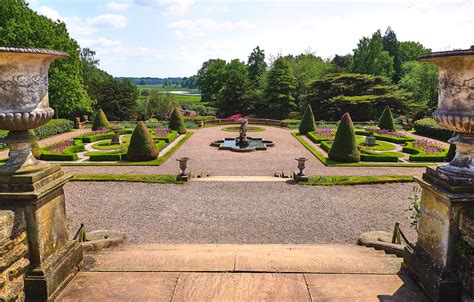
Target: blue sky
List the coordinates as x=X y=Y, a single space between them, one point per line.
x=172 y=38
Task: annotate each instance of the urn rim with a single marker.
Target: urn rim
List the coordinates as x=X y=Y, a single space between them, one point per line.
x=443 y=54
x=52 y=52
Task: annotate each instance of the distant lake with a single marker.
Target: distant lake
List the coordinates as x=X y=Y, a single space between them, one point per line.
x=182 y=92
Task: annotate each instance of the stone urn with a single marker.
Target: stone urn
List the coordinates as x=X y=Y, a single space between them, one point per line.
x=116 y=137
x=456 y=107
x=370 y=139
x=24 y=103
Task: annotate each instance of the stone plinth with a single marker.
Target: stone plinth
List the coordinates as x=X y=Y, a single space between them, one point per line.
x=37 y=200
x=433 y=261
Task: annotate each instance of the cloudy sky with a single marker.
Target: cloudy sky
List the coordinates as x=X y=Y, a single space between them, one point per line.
x=172 y=38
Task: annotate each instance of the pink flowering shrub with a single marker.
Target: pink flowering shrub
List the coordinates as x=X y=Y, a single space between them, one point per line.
x=428 y=146
x=391 y=133
x=238 y=115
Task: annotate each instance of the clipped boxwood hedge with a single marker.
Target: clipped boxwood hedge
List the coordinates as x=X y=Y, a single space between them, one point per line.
x=58 y=156
x=417 y=155
x=169 y=137
x=325 y=145
x=316 y=139
x=428 y=127
x=160 y=145
x=106 y=156
x=378 y=158
x=387 y=138
x=95 y=137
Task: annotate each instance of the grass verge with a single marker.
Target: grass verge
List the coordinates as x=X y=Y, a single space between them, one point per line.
x=145 y=178
x=337 y=180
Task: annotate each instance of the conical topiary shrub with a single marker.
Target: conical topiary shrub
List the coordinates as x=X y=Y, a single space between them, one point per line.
x=141 y=147
x=176 y=122
x=344 y=148
x=307 y=122
x=100 y=121
x=386 y=120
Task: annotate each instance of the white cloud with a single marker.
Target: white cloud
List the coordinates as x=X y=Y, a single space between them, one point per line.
x=108 y=20
x=200 y=26
x=50 y=13
x=101 y=42
x=172 y=7
x=116 y=6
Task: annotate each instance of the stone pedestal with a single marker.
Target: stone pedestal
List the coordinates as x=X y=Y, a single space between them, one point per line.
x=433 y=260
x=37 y=200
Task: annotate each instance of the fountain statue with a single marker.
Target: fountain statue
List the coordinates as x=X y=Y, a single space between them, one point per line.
x=243 y=132
x=243 y=143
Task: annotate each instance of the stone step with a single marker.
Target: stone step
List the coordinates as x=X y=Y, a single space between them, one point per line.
x=346 y=259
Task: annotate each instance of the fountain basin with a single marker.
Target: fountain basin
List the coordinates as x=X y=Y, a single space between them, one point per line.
x=237 y=145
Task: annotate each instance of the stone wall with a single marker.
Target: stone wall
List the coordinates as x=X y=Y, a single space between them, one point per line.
x=13 y=254
x=466 y=261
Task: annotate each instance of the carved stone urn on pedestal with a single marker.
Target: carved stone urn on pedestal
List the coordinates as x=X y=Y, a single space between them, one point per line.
x=448 y=191
x=34 y=242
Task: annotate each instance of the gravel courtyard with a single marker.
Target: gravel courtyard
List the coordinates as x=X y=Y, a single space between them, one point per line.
x=238 y=212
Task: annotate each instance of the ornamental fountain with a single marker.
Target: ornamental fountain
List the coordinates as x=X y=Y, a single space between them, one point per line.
x=34 y=241
x=447 y=200
x=243 y=143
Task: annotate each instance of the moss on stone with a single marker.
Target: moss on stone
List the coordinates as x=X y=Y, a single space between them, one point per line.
x=141 y=147
x=344 y=148
x=100 y=121
x=386 y=120
x=177 y=122
x=307 y=122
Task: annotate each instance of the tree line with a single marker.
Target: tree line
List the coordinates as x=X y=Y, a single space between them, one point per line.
x=381 y=71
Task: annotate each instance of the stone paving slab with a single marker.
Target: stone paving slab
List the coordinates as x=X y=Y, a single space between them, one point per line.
x=200 y=282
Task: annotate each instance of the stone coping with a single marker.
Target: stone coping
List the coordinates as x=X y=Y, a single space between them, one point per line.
x=35 y=51
x=452 y=53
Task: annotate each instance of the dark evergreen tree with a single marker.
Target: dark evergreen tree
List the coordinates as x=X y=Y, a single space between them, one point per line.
x=391 y=44
x=256 y=66
x=344 y=147
x=307 y=122
x=386 y=120
x=141 y=147
x=280 y=90
x=176 y=121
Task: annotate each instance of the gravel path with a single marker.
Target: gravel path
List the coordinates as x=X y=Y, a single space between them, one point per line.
x=237 y=212
x=205 y=158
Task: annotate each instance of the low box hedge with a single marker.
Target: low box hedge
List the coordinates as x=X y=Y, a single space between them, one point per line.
x=387 y=138
x=428 y=127
x=325 y=145
x=417 y=155
x=316 y=139
x=97 y=137
x=106 y=156
x=170 y=137
x=378 y=158
x=46 y=155
x=125 y=131
x=160 y=145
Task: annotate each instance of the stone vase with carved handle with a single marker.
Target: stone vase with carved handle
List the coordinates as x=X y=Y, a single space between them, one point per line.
x=24 y=103
x=456 y=107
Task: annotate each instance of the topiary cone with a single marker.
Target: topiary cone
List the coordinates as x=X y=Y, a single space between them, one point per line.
x=141 y=147
x=307 y=122
x=344 y=148
x=176 y=121
x=100 y=121
x=386 y=120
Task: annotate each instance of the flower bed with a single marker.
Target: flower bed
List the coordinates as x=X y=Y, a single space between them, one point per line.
x=62 y=151
x=391 y=137
x=117 y=155
x=166 y=135
x=424 y=150
x=367 y=155
x=322 y=134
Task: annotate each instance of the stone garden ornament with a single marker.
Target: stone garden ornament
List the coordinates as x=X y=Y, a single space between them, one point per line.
x=24 y=103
